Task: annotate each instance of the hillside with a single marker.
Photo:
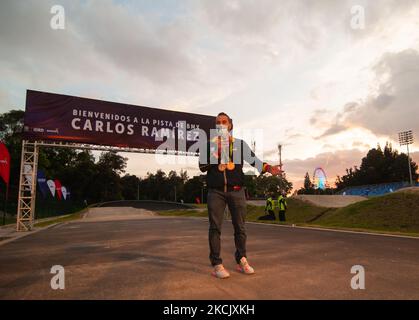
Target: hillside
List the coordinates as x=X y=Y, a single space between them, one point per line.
x=396 y=212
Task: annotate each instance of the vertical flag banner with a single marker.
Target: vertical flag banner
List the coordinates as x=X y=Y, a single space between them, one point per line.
x=58 y=188
x=4 y=163
x=51 y=187
x=5 y=174
x=64 y=192
x=42 y=183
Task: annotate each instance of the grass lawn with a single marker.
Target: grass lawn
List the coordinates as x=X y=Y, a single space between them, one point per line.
x=70 y=217
x=396 y=213
x=298 y=212
x=184 y=213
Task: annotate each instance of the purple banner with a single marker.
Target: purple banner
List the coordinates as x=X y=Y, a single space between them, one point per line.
x=60 y=117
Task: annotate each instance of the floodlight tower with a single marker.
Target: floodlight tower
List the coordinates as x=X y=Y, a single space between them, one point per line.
x=406 y=138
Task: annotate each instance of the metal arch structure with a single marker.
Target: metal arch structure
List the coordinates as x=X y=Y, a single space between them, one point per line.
x=64 y=121
x=28 y=178
x=27 y=186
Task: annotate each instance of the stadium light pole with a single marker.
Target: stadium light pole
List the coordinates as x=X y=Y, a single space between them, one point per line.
x=406 y=138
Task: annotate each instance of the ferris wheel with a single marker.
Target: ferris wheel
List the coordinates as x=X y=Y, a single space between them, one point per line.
x=319 y=178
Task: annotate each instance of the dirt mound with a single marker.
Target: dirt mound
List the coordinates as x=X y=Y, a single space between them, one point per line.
x=330 y=201
x=147 y=204
x=117 y=213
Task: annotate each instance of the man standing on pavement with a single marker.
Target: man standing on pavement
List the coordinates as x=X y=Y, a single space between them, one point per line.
x=222 y=160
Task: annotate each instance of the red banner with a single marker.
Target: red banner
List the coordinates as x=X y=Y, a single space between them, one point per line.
x=4 y=163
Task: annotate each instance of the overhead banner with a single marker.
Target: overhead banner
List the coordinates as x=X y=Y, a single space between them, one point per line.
x=60 y=117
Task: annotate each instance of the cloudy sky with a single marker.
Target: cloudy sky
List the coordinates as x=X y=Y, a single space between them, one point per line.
x=296 y=69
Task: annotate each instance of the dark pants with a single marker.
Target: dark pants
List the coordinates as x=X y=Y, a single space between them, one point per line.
x=217 y=202
x=281 y=215
x=269 y=216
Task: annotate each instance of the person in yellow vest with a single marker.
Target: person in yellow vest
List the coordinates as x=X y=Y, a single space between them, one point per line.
x=282 y=205
x=269 y=210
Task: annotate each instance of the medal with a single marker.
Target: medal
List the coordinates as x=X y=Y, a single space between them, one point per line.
x=225 y=155
x=222 y=167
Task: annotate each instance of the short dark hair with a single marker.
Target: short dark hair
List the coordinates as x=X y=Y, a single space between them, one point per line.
x=229 y=119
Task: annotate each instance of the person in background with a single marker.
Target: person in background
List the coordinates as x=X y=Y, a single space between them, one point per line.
x=269 y=210
x=282 y=205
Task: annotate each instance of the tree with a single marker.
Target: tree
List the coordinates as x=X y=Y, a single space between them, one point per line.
x=308 y=186
x=11 y=125
x=112 y=161
x=267 y=184
x=85 y=169
x=194 y=188
x=379 y=166
x=130 y=187
x=110 y=166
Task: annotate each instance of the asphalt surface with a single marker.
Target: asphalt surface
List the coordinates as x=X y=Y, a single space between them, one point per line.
x=167 y=258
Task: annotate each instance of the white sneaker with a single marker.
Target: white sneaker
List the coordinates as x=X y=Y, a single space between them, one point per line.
x=244 y=267
x=220 y=272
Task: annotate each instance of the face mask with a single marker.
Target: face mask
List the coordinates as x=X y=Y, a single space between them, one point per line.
x=222 y=130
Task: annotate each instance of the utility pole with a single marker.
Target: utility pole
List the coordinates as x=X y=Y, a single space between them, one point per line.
x=280 y=155
x=280 y=158
x=202 y=191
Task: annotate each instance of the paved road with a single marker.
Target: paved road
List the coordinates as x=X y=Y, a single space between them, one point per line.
x=167 y=258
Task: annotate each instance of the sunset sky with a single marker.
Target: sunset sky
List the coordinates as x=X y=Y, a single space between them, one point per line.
x=296 y=69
